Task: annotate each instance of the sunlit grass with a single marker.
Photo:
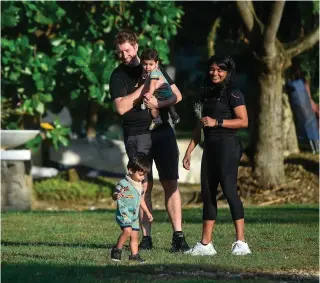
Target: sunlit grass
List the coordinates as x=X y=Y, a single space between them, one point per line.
x=75 y=246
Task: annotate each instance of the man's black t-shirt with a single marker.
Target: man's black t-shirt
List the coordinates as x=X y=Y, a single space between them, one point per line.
x=221 y=107
x=124 y=81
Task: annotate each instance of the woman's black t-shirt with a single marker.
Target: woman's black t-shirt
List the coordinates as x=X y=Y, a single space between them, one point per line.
x=124 y=81
x=221 y=107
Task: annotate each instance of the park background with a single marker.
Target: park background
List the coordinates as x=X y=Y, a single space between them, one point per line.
x=59 y=55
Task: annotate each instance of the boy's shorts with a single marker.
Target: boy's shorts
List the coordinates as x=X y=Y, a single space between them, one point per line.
x=133 y=223
x=163 y=94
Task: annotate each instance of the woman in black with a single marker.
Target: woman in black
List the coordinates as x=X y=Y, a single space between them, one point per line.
x=223 y=112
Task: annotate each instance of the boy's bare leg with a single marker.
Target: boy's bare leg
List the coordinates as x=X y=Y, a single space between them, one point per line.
x=134 y=242
x=174 y=115
x=172 y=110
x=126 y=232
x=155 y=113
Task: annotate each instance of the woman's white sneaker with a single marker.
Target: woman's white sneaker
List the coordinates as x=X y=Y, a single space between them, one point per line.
x=200 y=249
x=240 y=248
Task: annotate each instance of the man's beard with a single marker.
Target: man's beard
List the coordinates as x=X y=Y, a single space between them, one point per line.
x=133 y=62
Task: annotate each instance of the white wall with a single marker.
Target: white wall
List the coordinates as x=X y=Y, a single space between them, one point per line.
x=109 y=155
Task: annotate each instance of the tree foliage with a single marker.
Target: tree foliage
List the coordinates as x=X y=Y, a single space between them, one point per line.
x=58 y=51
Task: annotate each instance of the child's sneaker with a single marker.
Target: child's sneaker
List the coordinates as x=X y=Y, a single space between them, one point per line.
x=136 y=258
x=240 y=248
x=116 y=254
x=175 y=119
x=200 y=249
x=156 y=122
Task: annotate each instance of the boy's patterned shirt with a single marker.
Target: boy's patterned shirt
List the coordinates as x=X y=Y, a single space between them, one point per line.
x=128 y=206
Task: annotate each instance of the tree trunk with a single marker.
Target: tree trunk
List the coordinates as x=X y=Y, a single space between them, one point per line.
x=268 y=158
x=92 y=119
x=212 y=37
x=16 y=185
x=273 y=58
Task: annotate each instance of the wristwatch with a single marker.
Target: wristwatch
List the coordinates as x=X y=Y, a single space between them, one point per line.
x=220 y=122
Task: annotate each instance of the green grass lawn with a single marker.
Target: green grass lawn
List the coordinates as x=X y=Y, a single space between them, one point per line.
x=75 y=247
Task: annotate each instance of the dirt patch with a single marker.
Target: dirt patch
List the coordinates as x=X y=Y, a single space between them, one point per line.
x=302 y=185
x=272 y=276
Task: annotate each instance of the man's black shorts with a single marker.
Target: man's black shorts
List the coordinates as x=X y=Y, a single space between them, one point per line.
x=165 y=153
x=139 y=143
x=162 y=148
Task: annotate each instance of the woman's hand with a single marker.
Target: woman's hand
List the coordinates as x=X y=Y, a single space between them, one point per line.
x=208 y=122
x=186 y=162
x=151 y=103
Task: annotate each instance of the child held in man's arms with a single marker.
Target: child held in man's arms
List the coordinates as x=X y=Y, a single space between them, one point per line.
x=128 y=194
x=158 y=86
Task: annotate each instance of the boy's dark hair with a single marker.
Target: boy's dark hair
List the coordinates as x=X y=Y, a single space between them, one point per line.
x=140 y=162
x=150 y=54
x=124 y=36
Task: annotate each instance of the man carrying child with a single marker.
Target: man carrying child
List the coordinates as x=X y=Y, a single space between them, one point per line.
x=160 y=144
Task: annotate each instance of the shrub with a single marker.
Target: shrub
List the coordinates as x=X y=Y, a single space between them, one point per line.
x=59 y=189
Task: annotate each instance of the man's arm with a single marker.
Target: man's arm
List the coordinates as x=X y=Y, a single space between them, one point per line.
x=125 y=103
x=153 y=103
x=174 y=99
x=176 y=92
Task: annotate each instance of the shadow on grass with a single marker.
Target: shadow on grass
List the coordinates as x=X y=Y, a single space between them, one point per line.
x=70 y=245
x=140 y=273
x=54 y=244
x=283 y=215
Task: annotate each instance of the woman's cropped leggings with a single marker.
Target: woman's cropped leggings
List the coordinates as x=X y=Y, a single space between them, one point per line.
x=220 y=161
